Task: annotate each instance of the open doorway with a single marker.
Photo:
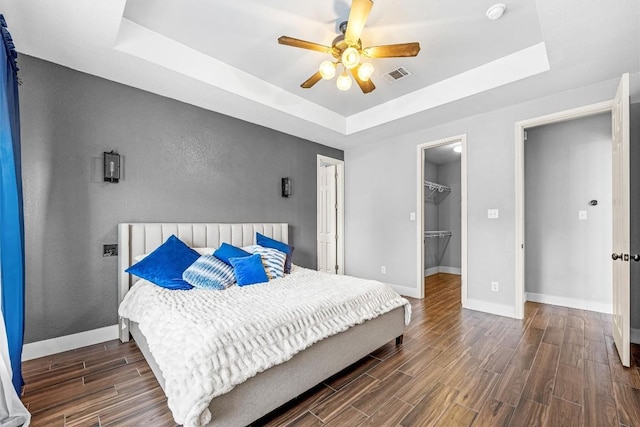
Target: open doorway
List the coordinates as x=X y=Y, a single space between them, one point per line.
x=330 y=215
x=442 y=223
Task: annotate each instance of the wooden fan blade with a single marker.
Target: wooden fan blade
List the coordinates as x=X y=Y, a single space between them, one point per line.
x=392 y=50
x=312 y=80
x=358 y=15
x=303 y=44
x=365 y=86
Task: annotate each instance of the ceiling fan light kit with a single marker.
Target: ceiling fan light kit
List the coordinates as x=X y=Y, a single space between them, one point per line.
x=347 y=50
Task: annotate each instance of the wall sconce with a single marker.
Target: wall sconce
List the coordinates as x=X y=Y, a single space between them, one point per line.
x=111 y=167
x=287 y=187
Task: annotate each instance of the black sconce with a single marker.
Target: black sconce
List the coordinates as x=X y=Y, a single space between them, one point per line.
x=111 y=167
x=287 y=187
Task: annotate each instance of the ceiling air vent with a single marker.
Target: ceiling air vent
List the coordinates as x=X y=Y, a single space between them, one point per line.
x=397 y=74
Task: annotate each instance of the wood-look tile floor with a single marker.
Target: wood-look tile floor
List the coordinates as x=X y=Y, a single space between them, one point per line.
x=557 y=367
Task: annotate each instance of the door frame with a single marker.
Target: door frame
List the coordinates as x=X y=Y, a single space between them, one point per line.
x=326 y=161
x=520 y=127
x=420 y=156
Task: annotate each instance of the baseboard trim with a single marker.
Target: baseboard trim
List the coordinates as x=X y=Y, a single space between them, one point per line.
x=442 y=269
x=405 y=290
x=490 y=307
x=635 y=336
x=569 y=302
x=68 y=342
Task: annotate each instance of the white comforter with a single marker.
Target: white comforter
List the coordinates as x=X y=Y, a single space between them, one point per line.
x=206 y=342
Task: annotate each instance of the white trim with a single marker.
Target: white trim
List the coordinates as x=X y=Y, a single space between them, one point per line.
x=324 y=160
x=68 y=342
x=635 y=336
x=420 y=156
x=442 y=269
x=569 y=302
x=489 y=307
x=520 y=127
x=405 y=291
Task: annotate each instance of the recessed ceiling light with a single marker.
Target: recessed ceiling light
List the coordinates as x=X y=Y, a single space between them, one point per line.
x=496 y=11
x=457 y=148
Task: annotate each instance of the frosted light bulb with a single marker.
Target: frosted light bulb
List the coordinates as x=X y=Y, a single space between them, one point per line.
x=327 y=70
x=350 y=57
x=344 y=81
x=365 y=71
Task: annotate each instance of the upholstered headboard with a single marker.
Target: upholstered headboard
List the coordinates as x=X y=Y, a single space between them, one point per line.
x=142 y=238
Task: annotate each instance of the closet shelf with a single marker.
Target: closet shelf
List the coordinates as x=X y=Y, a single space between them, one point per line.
x=435 y=192
x=437 y=234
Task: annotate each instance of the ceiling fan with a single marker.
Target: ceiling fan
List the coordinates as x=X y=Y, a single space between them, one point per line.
x=347 y=51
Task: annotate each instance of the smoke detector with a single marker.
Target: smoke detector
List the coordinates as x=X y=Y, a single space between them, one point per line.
x=496 y=11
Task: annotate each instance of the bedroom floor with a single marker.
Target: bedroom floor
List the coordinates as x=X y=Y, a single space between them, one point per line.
x=456 y=367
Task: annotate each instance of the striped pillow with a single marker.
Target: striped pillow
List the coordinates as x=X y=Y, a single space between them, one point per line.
x=272 y=259
x=208 y=272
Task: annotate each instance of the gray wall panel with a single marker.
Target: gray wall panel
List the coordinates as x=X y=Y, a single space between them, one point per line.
x=181 y=163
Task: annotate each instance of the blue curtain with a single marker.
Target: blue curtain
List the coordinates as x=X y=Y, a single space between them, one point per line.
x=11 y=215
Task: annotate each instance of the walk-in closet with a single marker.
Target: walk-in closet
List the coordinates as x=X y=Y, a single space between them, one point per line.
x=442 y=210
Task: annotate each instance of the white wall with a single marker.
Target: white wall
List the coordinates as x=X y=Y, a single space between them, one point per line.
x=567 y=260
x=381 y=185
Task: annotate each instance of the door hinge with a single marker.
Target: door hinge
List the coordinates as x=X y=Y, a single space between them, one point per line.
x=525 y=135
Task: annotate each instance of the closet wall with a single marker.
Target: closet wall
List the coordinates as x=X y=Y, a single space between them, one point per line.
x=568 y=257
x=442 y=216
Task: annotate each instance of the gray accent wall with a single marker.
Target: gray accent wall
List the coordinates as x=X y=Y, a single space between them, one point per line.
x=180 y=163
x=567 y=165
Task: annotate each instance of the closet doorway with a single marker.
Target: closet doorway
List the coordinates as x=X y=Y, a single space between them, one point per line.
x=442 y=207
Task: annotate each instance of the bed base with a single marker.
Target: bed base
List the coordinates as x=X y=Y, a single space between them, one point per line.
x=279 y=384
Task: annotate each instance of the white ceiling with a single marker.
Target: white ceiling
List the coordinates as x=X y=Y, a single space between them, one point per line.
x=223 y=55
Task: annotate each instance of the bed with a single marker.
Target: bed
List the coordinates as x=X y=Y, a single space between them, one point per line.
x=273 y=387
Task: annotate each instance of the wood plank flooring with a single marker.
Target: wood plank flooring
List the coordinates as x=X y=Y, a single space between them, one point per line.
x=557 y=367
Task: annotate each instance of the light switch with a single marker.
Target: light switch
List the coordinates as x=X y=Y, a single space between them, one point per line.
x=493 y=213
x=412 y=216
x=582 y=215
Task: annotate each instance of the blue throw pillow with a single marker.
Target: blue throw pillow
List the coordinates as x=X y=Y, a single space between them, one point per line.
x=208 y=272
x=165 y=265
x=249 y=270
x=268 y=242
x=226 y=251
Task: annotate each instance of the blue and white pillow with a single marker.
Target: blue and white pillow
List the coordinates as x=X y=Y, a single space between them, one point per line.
x=208 y=272
x=272 y=259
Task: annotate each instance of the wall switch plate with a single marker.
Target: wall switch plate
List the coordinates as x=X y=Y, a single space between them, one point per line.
x=109 y=250
x=582 y=215
x=383 y=270
x=493 y=213
x=495 y=286
x=412 y=216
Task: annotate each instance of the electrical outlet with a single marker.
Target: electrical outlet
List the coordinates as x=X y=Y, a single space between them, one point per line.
x=383 y=270
x=109 y=250
x=495 y=286
x=493 y=213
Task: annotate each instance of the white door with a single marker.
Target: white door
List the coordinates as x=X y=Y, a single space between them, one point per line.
x=327 y=219
x=621 y=229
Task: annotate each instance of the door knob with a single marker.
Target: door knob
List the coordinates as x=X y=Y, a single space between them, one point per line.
x=635 y=257
x=616 y=256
